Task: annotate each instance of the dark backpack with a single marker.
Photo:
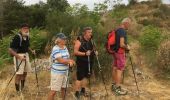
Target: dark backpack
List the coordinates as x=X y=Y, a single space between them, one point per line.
x=20 y=42
x=110 y=44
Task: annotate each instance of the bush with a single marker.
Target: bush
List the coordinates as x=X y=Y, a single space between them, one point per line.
x=119 y=14
x=38 y=40
x=163 y=56
x=151 y=38
x=4 y=56
x=165 y=9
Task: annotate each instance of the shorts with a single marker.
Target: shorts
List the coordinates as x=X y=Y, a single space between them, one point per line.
x=83 y=70
x=119 y=60
x=22 y=66
x=58 y=81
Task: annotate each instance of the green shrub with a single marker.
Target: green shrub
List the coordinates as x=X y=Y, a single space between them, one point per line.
x=4 y=56
x=38 y=40
x=151 y=38
x=154 y=22
x=163 y=56
x=119 y=14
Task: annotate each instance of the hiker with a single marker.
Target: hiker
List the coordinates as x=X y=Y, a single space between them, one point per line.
x=19 y=47
x=59 y=68
x=82 y=49
x=119 y=56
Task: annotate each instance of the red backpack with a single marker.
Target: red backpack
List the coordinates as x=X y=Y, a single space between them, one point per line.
x=111 y=41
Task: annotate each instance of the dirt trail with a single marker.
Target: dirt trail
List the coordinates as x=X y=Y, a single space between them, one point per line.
x=151 y=88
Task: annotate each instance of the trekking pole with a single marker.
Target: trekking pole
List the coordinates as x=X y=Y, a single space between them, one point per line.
x=134 y=73
x=100 y=70
x=17 y=68
x=36 y=76
x=68 y=74
x=101 y=73
x=89 y=74
x=123 y=75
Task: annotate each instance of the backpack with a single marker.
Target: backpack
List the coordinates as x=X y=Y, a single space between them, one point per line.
x=20 y=44
x=111 y=42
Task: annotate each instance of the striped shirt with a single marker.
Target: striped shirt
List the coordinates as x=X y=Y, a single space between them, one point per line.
x=58 y=52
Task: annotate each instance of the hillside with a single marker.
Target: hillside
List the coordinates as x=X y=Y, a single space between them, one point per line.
x=151 y=65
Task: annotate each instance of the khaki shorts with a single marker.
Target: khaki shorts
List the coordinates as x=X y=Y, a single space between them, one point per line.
x=25 y=66
x=58 y=81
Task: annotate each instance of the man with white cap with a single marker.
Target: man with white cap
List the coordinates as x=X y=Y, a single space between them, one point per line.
x=60 y=64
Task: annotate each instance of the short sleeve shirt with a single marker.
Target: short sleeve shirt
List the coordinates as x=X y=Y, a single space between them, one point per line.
x=18 y=45
x=119 y=34
x=58 y=52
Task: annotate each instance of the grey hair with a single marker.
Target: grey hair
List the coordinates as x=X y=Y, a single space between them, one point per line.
x=126 y=20
x=86 y=28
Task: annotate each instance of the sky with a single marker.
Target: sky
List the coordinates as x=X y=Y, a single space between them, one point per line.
x=89 y=3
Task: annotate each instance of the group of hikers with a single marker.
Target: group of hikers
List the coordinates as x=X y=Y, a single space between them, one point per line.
x=61 y=61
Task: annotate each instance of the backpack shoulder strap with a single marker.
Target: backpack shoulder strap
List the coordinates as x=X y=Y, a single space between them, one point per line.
x=80 y=38
x=20 y=39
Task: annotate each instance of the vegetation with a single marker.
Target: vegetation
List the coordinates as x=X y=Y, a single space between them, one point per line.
x=38 y=42
x=151 y=38
x=58 y=16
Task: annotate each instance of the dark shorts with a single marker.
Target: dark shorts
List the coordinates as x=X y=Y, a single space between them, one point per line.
x=83 y=70
x=119 y=60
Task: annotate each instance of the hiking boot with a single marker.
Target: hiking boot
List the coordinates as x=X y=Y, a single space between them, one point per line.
x=17 y=87
x=18 y=93
x=120 y=91
x=22 y=84
x=77 y=95
x=83 y=92
x=113 y=87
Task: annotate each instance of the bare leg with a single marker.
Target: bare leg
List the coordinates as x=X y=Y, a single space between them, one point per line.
x=24 y=76
x=23 y=80
x=63 y=92
x=118 y=77
x=17 y=82
x=84 y=83
x=114 y=74
x=78 y=85
x=51 y=95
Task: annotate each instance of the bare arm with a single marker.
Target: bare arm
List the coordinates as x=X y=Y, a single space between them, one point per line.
x=76 y=49
x=12 y=52
x=64 y=61
x=30 y=49
x=122 y=44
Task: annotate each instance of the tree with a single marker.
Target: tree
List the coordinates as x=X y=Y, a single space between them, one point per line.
x=12 y=15
x=1 y=19
x=132 y=2
x=16 y=13
x=59 y=5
